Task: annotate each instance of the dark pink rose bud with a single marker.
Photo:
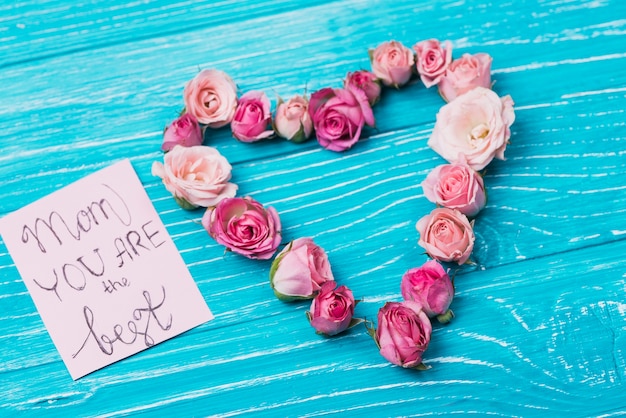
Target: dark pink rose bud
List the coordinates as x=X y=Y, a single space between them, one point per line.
x=300 y=270
x=332 y=309
x=252 y=117
x=244 y=226
x=403 y=333
x=366 y=81
x=183 y=131
x=446 y=235
x=431 y=287
x=432 y=60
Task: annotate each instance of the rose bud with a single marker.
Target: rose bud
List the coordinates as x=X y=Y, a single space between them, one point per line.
x=332 y=309
x=211 y=96
x=292 y=120
x=476 y=124
x=252 y=117
x=403 y=334
x=464 y=74
x=244 y=226
x=300 y=270
x=366 y=81
x=431 y=287
x=432 y=60
x=446 y=235
x=392 y=63
x=339 y=116
x=456 y=186
x=196 y=176
x=183 y=131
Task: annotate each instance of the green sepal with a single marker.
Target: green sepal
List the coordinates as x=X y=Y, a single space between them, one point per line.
x=184 y=203
x=421 y=367
x=445 y=317
x=371 y=330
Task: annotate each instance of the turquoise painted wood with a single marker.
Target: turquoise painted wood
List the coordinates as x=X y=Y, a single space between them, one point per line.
x=540 y=327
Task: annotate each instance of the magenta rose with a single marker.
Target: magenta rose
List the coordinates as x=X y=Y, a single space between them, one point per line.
x=244 y=226
x=332 y=310
x=292 y=120
x=456 y=186
x=432 y=60
x=211 y=96
x=300 y=270
x=392 y=63
x=464 y=74
x=446 y=235
x=431 y=287
x=183 y=131
x=366 y=81
x=252 y=117
x=403 y=333
x=196 y=176
x=476 y=124
x=339 y=116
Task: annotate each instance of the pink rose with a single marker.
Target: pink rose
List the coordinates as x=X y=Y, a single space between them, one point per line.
x=456 y=186
x=431 y=287
x=464 y=74
x=292 y=120
x=252 y=117
x=432 y=60
x=244 y=226
x=332 y=309
x=300 y=270
x=211 y=96
x=183 y=131
x=196 y=176
x=339 y=115
x=475 y=124
x=446 y=235
x=366 y=81
x=392 y=62
x=403 y=333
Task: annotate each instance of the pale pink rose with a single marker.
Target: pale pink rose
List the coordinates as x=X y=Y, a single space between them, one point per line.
x=366 y=81
x=292 y=120
x=446 y=235
x=476 y=124
x=339 y=116
x=211 y=96
x=432 y=60
x=300 y=270
x=431 y=287
x=403 y=333
x=252 y=117
x=244 y=226
x=196 y=176
x=456 y=186
x=464 y=74
x=392 y=63
x=183 y=131
x=332 y=309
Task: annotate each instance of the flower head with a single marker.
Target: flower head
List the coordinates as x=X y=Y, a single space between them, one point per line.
x=446 y=235
x=332 y=309
x=252 y=117
x=392 y=63
x=183 y=131
x=211 y=96
x=430 y=286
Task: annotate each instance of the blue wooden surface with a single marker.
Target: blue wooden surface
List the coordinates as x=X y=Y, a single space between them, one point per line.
x=540 y=325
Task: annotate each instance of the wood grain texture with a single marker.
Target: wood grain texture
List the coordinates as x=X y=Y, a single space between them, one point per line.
x=540 y=325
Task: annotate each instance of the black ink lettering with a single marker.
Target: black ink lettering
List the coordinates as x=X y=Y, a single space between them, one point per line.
x=54 y=287
x=111 y=286
x=83 y=283
x=121 y=251
x=149 y=236
x=93 y=272
x=137 y=241
x=151 y=311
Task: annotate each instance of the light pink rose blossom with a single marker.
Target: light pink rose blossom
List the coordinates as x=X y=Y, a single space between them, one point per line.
x=431 y=287
x=339 y=116
x=456 y=186
x=476 y=124
x=252 y=117
x=332 y=309
x=183 y=131
x=464 y=74
x=446 y=235
x=211 y=96
x=432 y=60
x=292 y=120
x=366 y=81
x=403 y=333
x=300 y=270
x=244 y=226
x=392 y=63
x=196 y=176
